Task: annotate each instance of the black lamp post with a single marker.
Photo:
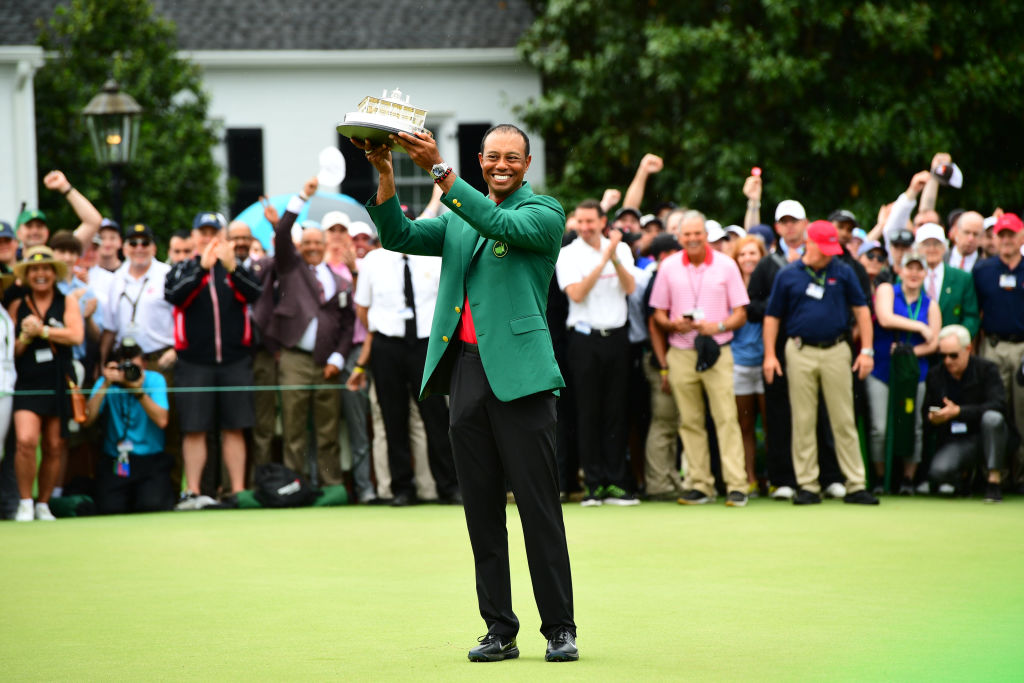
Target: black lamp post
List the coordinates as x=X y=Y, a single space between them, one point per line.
x=113 y=121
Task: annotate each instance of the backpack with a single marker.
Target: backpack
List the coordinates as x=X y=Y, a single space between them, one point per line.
x=276 y=486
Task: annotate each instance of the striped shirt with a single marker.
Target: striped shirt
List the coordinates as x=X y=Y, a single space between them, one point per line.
x=714 y=289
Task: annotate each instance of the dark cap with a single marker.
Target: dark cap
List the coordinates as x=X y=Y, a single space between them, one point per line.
x=6 y=230
x=663 y=243
x=843 y=216
x=208 y=218
x=138 y=230
x=107 y=224
x=626 y=209
x=901 y=237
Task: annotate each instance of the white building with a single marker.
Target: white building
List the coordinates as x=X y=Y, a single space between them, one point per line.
x=281 y=76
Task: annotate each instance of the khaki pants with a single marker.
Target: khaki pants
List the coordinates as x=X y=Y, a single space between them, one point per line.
x=808 y=368
x=297 y=367
x=717 y=382
x=1008 y=357
x=264 y=374
x=426 y=488
x=660 y=471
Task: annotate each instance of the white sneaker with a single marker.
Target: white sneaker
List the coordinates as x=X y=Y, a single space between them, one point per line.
x=835 y=490
x=783 y=493
x=924 y=488
x=193 y=501
x=947 y=489
x=43 y=513
x=25 y=512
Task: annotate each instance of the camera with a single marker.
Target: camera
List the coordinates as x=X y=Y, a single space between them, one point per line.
x=123 y=356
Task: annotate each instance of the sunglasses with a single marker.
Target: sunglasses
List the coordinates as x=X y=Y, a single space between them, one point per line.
x=950 y=356
x=138 y=243
x=875 y=256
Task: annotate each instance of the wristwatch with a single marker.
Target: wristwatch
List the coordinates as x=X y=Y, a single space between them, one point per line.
x=721 y=326
x=870 y=353
x=440 y=170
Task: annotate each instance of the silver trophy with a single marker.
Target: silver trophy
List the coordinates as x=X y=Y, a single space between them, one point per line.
x=378 y=117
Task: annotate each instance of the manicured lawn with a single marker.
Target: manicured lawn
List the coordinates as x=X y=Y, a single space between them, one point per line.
x=917 y=589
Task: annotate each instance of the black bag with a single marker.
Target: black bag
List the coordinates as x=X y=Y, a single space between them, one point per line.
x=276 y=486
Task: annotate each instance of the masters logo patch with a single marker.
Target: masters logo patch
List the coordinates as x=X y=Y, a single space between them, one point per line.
x=500 y=249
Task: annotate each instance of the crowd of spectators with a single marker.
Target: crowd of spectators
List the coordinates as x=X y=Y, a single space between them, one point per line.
x=700 y=360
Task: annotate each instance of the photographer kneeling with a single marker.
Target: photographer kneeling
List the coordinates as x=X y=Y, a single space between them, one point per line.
x=136 y=476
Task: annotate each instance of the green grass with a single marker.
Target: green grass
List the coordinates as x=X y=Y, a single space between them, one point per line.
x=918 y=589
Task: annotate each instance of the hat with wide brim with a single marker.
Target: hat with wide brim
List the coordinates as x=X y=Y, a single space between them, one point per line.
x=40 y=256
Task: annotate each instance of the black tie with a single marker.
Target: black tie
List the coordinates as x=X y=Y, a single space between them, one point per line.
x=410 y=302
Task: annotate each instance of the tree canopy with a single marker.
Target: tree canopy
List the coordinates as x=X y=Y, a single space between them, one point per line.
x=174 y=174
x=839 y=102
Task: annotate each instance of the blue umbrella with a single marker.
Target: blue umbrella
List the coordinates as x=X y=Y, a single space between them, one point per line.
x=318 y=205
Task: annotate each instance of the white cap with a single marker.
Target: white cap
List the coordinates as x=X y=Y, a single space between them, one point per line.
x=332 y=218
x=931 y=231
x=790 y=207
x=989 y=222
x=715 y=231
x=736 y=230
x=360 y=228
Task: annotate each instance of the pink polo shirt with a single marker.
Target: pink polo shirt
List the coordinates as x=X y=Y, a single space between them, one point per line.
x=715 y=287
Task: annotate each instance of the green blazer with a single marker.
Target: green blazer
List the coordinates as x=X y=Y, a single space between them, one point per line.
x=503 y=257
x=958 y=300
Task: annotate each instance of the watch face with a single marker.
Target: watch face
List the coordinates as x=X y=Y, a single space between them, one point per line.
x=438 y=169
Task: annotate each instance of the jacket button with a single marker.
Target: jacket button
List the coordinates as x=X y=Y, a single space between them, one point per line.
x=444 y=339
x=458 y=310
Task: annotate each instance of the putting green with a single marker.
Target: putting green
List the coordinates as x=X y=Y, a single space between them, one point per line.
x=917 y=589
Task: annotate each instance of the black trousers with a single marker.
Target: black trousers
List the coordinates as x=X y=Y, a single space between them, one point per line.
x=599 y=367
x=958 y=456
x=146 y=489
x=398 y=372
x=493 y=441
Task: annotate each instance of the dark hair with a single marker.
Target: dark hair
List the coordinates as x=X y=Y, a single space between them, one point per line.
x=591 y=204
x=64 y=240
x=505 y=128
x=182 y=234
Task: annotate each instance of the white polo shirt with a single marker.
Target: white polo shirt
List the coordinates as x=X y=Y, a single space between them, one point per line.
x=604 y=307
x=135 y=307
x=380 y=288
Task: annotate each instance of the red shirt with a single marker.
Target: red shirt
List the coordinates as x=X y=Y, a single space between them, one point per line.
x=466 y=330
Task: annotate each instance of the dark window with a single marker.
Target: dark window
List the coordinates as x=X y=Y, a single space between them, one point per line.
x=245 y=167
x=360 y=181
x=470 y=136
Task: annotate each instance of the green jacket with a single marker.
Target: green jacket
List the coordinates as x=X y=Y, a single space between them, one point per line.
x=958 y=300
x=503 y=257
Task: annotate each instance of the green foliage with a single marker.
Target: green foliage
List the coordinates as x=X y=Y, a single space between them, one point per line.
x=839 y=102
x=174 y=175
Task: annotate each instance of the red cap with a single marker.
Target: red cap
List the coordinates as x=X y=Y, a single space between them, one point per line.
x=1008 y=221
x=824 y=234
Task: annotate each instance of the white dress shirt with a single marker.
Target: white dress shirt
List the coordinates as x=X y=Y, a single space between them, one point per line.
x=308 y=340
x=135 y=307
x=958 y=260
x=604 y=307
x=381 y=289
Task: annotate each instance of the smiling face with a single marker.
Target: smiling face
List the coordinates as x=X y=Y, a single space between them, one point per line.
x=33 y=233
x=140 y=251
x=589 y=225
x=312 y=246
x=110 y=242
x=748 y=257
x=504 y=163
x=40 y=278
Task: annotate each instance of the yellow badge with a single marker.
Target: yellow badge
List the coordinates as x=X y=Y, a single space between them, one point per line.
x=500 y=249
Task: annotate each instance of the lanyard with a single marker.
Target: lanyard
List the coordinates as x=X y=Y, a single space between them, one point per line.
x=911 y=312
x=134 y=303
x=821 y=280
x=700 y=283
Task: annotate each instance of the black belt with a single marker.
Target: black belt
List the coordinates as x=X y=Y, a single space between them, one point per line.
x=827 y=344
x=471 y=348
x=601 y=333
x=1008 y=338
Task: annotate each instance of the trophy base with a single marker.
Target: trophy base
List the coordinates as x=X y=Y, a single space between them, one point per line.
x=377 y=133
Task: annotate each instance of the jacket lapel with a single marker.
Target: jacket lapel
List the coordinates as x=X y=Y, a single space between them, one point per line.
x=475 y=241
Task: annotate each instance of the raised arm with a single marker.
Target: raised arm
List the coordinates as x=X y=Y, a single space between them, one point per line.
x=649 y=165
x=88 y=215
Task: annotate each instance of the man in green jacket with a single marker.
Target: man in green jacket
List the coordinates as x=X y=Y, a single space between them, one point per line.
x=490 y=350
x=951 y=287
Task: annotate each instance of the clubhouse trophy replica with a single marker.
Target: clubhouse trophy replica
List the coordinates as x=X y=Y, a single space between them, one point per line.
x=377 y=117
